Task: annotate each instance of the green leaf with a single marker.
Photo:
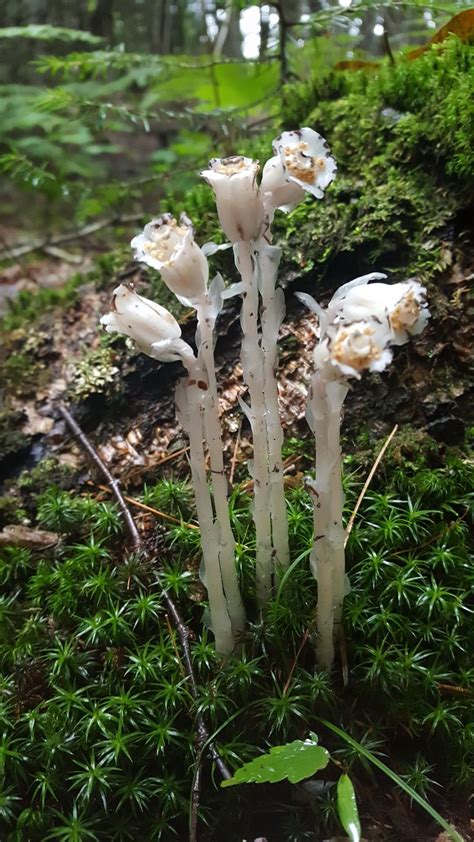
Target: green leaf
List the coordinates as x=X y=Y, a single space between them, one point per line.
x=347 y=808
x=364 y=752
x=294 y=761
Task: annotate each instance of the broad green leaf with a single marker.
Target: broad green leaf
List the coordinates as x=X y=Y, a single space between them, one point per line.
x=347 y=808
x=294 y=761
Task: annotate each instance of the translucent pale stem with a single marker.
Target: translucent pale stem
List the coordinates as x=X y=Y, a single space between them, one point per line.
x=252 y=364
x=189 y=401
x=272 y=313
x=226 y=541
x=336 y=393
x=327 y=557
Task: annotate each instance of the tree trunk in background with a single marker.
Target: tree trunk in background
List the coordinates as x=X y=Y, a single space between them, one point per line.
x=291 y=10
x=102 y=20
x=264 y=29
x=233 y=43
x=178 y=29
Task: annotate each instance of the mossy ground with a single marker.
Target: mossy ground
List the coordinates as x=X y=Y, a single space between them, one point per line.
x=97 y=720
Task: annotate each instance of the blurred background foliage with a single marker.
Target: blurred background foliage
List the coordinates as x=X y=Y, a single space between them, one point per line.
x=104 y=103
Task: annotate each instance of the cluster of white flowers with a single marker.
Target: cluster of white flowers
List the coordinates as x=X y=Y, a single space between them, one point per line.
x=301 y=164
x=364 y=320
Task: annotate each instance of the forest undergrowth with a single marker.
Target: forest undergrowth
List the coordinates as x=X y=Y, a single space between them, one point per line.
x=98 y=722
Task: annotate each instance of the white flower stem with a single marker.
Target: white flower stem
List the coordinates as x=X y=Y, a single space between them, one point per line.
x=252 y=364
x=327 y=557
x=336 y=393
x=272 y=313
x=189 y=401
x=226 y=541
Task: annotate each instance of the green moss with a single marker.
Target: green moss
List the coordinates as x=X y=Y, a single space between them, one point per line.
x=420 y=110
x=28 y=306
x=95 y=374
x=94 y=676
x=12 y=440
x=402 y=138
x=48 y=471
x=10 y=510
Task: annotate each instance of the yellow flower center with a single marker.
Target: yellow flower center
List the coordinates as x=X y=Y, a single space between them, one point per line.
x=231 y=166
x=355 y=348
x=166 y=238
x=406 y=313
x=301 y=164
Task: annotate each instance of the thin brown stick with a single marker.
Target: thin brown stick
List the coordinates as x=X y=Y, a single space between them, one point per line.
x=195 y=797
x=40 y=245
x=152 y=510
x=296 y=659
x=348 y=530
x=114 y=483
x=171 y=456
x=367 y=483
x=234 y=455
x=289 y=462
x=202 y=733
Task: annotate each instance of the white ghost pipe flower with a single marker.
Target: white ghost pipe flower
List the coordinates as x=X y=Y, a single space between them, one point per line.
x=353 y=348
x=344 y=351
x=154 y=330
x=358 y=327
x=301 y=164
x=169 y=247
x=401 y=306
x=157 y=333
x=238 y=200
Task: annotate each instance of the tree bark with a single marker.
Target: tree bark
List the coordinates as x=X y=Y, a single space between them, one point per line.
x=102 y=20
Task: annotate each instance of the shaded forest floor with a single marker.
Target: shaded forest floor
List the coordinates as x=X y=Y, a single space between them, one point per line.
x=88 y=653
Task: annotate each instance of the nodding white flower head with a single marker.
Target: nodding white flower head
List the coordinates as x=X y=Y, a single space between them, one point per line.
x=402 y=307
x=350 y=349
x=301 y=164
x=238 y=200
x=155 y=331
x=169 y=247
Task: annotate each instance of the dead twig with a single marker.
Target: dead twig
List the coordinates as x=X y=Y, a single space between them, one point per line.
x=289 y=463
x=367 y=483
x=113 y=483
x=295 y=660
x=171 y=456
x=45 y=244
x=61 y=254
x=234 y=455
x=182 y=630
x=345 y=671
x=152 y=510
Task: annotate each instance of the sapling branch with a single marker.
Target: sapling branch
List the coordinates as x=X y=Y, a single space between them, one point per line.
x=112 y=481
